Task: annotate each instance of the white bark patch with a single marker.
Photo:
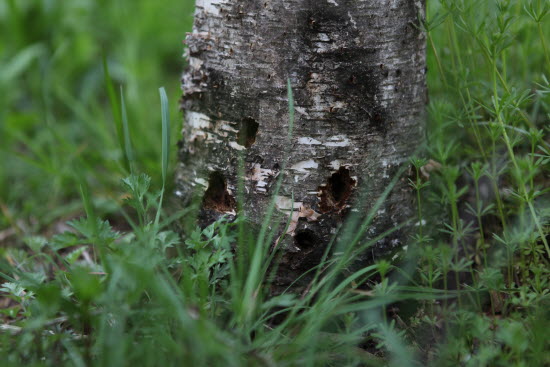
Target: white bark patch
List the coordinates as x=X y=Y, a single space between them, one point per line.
x=323 y=37
x=305 y=165
x=198 y=120
x=336 y=164
x=209 y=6
x=204 y=35
x=321 y=47
x=388 y=92
x=201 y=182
x=333 y=2
x=226 y=126
x=314 y=78
x=352 y=20
x=201 y=126
x=301 y=110
x=338 y=141
x=260 y=175
x=236 y=145
x=309 y=141
x=213 y=138
x=339 y=105
x=197 y=123
x=385 y=165
x=195 y=62
x=284 y=203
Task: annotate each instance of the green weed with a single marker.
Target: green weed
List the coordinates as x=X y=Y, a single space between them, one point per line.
x=117 y=285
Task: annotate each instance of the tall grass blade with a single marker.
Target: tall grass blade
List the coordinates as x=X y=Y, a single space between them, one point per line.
x=165 y=146
x=165 y=133
x=126 y=130
x=117 y=116
x=87 y=201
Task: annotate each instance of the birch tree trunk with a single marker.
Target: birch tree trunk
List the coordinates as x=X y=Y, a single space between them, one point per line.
x=357 y=69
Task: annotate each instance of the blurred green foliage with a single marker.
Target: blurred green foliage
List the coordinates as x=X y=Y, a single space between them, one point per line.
x=56 y=126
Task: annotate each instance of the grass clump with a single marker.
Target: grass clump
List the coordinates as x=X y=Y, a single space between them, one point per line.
x=116 y=285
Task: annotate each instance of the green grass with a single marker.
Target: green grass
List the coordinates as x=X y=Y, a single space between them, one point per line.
x=56 y=124
x=472 y=288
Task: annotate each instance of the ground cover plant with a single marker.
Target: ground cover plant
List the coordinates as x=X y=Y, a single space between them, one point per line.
x=94 y=270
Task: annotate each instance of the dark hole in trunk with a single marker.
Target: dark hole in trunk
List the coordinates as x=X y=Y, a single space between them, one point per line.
x=247 y=132
x=336 y=192
x=216 y=196
x=306 y=239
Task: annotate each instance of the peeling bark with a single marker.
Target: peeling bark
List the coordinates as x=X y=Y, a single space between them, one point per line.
x=357 y=68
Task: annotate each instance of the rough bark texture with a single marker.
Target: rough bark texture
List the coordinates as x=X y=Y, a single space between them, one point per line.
x=357 y=69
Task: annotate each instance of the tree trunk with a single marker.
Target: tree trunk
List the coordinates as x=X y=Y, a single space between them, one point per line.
x=357 y=69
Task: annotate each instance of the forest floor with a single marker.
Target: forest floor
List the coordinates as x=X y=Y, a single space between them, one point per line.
x=92 y=271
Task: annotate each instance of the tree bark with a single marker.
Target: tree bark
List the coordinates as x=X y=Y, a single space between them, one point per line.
x=357 y=69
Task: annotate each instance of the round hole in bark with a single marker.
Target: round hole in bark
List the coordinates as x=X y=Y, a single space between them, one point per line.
x=306 y=239
x=216 y=196
x=336 y=192
x=247 y=132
